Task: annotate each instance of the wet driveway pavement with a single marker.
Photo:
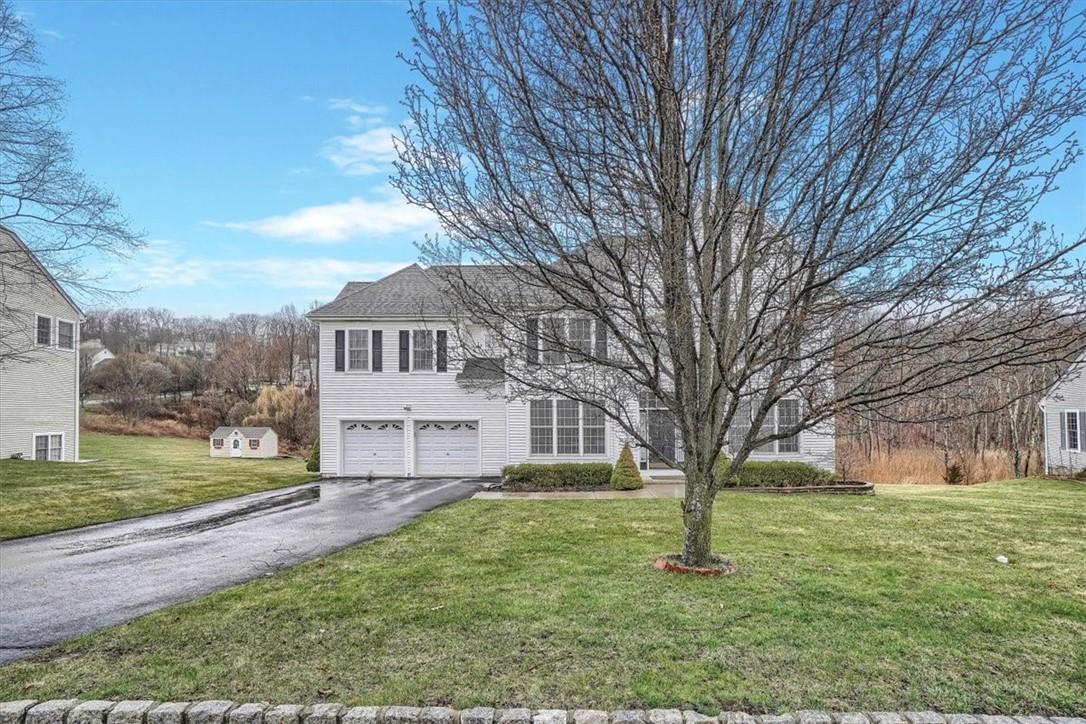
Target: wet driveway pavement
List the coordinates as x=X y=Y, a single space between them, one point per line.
x=56 y=586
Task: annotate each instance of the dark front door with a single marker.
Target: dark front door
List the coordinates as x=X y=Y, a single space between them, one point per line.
x=661 y=437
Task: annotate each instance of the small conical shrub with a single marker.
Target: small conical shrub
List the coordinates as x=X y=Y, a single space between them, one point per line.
x=626 y=476
x=313 y=463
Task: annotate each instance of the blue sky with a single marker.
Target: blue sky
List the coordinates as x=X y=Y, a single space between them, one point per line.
x=251 y=142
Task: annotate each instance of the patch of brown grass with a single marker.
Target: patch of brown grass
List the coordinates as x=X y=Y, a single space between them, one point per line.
x=116 y=425
x=926 y=465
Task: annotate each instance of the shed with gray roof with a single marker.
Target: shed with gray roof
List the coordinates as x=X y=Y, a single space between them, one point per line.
x=244 y=442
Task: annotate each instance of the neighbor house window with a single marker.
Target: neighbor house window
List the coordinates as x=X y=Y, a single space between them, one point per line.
x=567 y=427
x=1072 y=430
x=65 y=334
x=48 y=447
x=216 y=442
x=422 y=350
x=358 y=349
x=541 y=430
x=254 y=444
x=44 y=330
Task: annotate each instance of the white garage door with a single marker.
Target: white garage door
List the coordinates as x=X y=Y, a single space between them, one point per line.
x=446 y=448
x=373 y=447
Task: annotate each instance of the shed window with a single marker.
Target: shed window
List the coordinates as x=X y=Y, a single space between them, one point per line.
x=44 y=330
x=216 y=442
x=254 y=444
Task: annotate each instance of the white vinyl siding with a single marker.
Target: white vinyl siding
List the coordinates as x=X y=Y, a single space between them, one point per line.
x=38 y=390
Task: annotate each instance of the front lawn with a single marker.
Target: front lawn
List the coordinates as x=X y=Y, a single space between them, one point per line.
x=135 y=476
x=892 y=602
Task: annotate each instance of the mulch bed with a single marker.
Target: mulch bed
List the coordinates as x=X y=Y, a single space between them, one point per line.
x=851 y=487
x=673 y=564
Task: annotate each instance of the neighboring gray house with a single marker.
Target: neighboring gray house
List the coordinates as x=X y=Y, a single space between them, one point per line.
x=244 y=442
x=1064 y=411
x=39 y=359
x=396 y=401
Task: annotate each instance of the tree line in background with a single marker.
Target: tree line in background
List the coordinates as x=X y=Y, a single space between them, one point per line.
x=190 y=374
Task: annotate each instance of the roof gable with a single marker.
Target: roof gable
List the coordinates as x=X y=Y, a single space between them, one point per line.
x=43 y=272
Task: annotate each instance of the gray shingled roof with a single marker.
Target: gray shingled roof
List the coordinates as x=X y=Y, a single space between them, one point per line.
x=409 y=292
x=482 y=369
x=246 y=431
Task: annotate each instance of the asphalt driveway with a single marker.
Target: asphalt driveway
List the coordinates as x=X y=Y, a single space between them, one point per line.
x=56 y=586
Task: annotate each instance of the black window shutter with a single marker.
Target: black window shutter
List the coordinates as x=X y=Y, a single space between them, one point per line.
x=340 y=346
x=532 y=341
x=442 y=351
x=1063 y=430
x=601 y=340
x=375 y=343
x=1082 y=431
x=405 y=350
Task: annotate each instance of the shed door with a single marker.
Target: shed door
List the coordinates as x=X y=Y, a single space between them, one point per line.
x=373 y=448
x=446 y=448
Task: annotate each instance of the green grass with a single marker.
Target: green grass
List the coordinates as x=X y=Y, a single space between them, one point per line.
x=887 y=603
x=135 y=476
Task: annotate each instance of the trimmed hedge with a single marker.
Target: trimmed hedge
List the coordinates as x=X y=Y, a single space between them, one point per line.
x=775 y=474
x=626 y=476
x=557 y=476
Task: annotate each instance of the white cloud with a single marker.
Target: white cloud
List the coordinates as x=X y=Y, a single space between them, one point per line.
x=363 y=153
x=162 y=264
x=329 y=223
x=55 y=34
x=347 y=104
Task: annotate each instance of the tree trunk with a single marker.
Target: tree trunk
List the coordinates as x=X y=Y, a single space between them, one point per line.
x=697 y=519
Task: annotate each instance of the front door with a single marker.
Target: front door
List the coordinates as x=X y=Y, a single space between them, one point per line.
x=235 y=448
x=661 y=437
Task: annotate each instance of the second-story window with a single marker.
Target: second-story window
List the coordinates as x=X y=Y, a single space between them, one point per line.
x=44 y=334
x=358 y=347
x=422 y=350
x=65 y=334
x=580 y=336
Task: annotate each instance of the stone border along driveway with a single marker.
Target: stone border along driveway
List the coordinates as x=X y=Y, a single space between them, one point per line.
x=74 y=711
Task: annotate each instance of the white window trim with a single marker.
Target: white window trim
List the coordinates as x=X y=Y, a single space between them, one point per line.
x=433 y=349
x=1067 y=441
x=773 y=421
x=49 y=435
x=75 y=340
x=52 y=331
x=367 y=358
x=554 y=433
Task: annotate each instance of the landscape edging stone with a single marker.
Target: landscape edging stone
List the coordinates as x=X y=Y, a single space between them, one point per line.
x=218 y=711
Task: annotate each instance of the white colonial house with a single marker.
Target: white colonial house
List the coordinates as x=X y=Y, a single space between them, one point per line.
x=39 y=359
x=244 y=442
x=395 y=401
x=1064 y=411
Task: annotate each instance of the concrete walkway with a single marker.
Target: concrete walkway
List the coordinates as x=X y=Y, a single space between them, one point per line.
x=651 y=490
x=60 y=585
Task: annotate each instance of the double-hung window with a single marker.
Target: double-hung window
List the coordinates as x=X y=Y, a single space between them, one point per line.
x=541 y=427
x=48 y=447
x=65 y=334
x=787 y=417
x=580 y=336
x=358 y=349
x=782 y=416
x=422 y=350
x=1073 y=435
x=44 y=330
x=554 y=341
x=566 y=427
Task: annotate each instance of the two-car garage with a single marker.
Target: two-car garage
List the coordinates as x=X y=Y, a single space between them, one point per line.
x=436 y=448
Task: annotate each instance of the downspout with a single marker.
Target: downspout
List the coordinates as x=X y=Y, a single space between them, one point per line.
x=1044 y=431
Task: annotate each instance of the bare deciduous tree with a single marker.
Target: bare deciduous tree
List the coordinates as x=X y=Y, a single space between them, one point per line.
x=62 y=217
x=751 y=201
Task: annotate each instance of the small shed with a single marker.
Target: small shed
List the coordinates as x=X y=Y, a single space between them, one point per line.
x=244 y=442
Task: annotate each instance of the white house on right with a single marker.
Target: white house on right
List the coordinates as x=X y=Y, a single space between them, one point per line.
x=1064 y=411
